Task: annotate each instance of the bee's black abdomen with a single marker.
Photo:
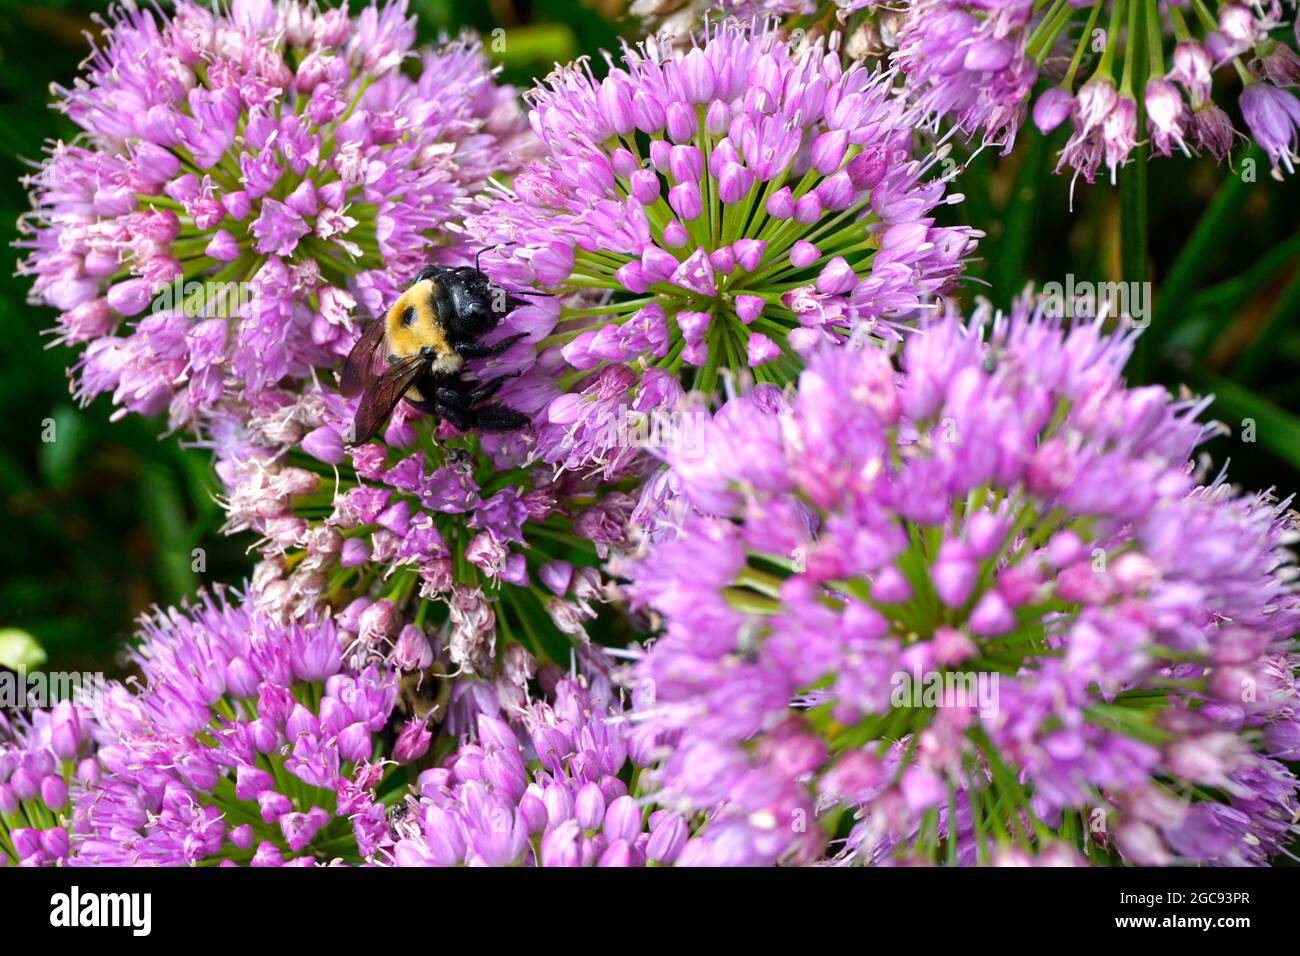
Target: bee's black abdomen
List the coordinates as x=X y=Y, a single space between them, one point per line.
x=500 y=419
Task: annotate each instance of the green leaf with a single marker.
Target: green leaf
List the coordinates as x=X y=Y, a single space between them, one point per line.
x=1133 y=196
x=1275 y=428
x=63 y=436
x=1188 y=269
x=538 y=43
x=1231 y=293
x=1255 y=357
x=1007 y=269
x=163 y=506
x=1215 y=309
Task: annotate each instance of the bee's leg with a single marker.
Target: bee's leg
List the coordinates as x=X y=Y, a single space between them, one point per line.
x=485 y=390
x=427 y=406
x=458 y=401
x=453 y=397
x=475 y=350
x=451 y=400
x=466 y=395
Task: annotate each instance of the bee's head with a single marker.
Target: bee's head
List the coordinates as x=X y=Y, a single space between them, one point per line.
x=413 y=325
x=471 y=294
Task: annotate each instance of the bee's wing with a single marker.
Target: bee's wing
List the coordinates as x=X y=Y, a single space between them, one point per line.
x=382 y=395
x=359 y=368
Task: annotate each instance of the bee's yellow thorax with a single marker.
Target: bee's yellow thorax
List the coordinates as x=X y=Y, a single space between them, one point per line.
x=425 y=331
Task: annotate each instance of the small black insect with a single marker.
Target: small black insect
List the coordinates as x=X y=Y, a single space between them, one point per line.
x=401 y=818
x=400 y=811
x=418 y=350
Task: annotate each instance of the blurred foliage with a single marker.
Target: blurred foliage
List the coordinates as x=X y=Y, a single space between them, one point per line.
x=529 y=37
x=102 y=522
x=19 y=650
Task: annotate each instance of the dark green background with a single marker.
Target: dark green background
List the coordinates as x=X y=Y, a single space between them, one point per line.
x=100 y=524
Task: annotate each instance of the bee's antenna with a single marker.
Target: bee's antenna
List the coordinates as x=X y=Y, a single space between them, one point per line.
x=498 y=246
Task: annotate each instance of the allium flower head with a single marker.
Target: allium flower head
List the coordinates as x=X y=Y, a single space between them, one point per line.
x=246 y=179
x=250 y=742
x=540 y=789
x=969 y=67
x=976 y=65
x=45 y=759
x=978 y=606
x=723 y=207
x=465 y=534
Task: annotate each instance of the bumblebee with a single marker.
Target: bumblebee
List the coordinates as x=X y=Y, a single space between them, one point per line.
x=421 y=695
x=418 y=351
x=424 y=691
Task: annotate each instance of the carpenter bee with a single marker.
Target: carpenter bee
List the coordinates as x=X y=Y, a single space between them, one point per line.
x=418 y=352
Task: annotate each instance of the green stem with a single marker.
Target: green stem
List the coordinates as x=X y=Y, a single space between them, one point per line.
x=1133 y=187
x=1112 y=40
x=1068 y=82
x=1155 y=55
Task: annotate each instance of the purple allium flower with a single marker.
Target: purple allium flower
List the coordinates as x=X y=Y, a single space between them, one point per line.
x=250 y=741
x=699 y=198
x=975 y=65
x=1273 y=116
x=970 y=62
x=45 y=760
x=979 y=603
x=540 y=789
x=455 y=530
x=1167 y=117
x=245 y=180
